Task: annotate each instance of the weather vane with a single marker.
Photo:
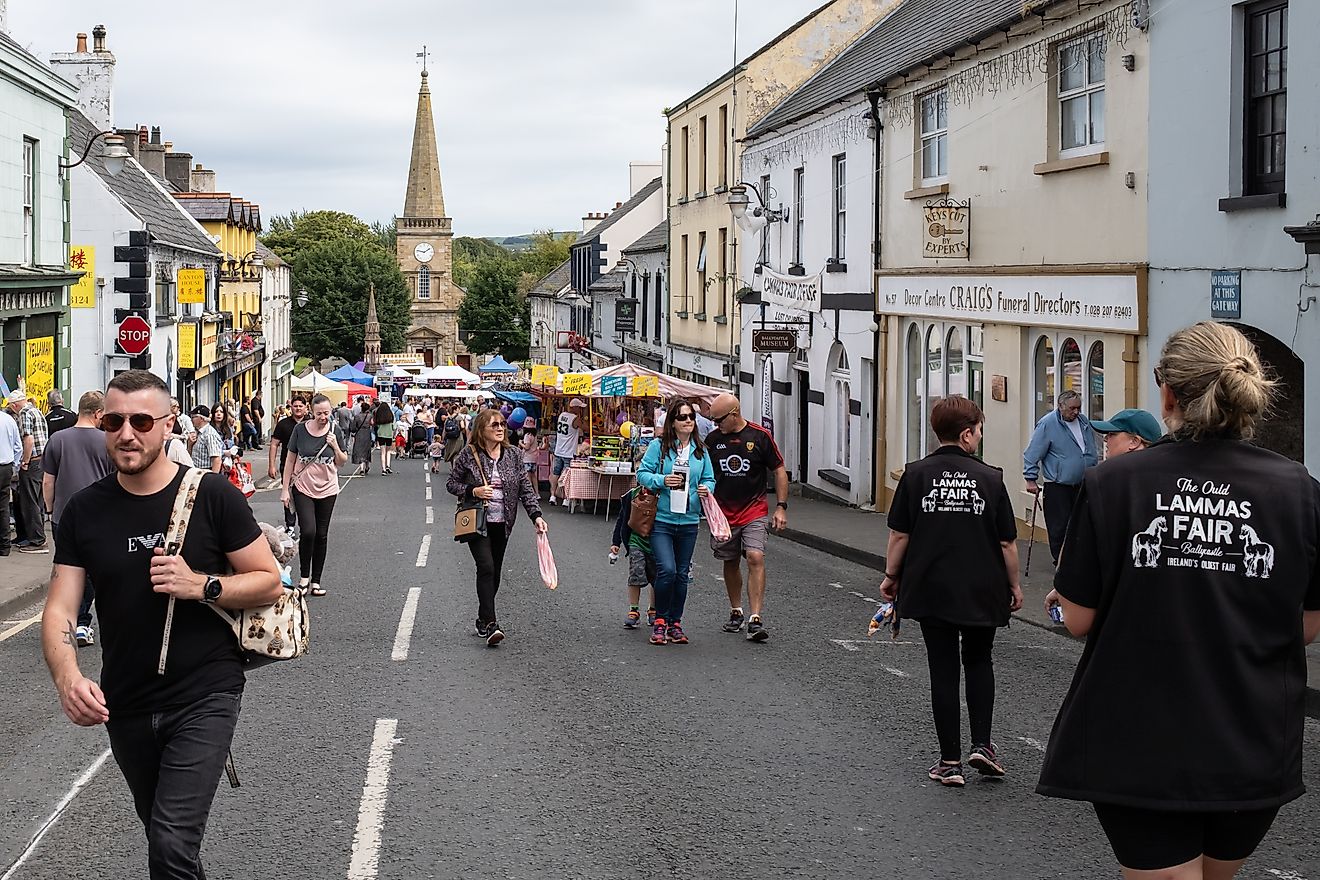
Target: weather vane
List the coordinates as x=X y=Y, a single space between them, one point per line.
x=422 y=55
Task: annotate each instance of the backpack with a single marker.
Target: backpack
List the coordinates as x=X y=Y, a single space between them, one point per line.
x=452 y=430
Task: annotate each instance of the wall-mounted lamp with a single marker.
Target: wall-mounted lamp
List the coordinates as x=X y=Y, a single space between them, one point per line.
x=113 y=155
x=739 y=203
x=301 y=298
x=624 y=264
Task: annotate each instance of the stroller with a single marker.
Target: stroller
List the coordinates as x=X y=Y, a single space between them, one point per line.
x=417 y=441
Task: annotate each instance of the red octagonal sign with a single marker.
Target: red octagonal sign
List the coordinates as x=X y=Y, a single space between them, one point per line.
x=134 y=335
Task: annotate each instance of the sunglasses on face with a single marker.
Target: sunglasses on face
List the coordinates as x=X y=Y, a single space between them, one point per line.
x=686 y=417
x=140 y=422
x=718 y=419
x=498 y=426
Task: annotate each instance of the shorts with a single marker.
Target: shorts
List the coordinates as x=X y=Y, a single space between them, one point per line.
x=749 y=537
x=1152 y=840
x=560 y=463
x=384 y=441
x=641 y=568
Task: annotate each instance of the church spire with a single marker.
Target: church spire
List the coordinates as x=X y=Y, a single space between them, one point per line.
x=425 y=197
x=371 y=345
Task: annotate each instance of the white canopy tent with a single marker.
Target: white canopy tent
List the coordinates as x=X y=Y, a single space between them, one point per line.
x=316 y=383
x=449 y=373
x=455 y=393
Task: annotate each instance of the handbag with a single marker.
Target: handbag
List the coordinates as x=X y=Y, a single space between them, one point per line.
x=641 y=519
x=470 y=518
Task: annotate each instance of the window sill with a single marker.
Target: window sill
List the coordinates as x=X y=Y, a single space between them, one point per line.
x=681 y=314
x=700 y=316
x=1076 y=162
x=1253 y=203
x=797 y=269
x=702 y=194
x=165 y=320
x=721 y=319
x=721 y=189
x=835 y=478
x=925 y=192
x=837 y=266
x=682 y=200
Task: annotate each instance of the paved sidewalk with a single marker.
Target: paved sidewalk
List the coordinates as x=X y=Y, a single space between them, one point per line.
x=23 y=579
x=861 y=536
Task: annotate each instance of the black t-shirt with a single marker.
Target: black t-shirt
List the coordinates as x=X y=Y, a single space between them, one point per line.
x=111 y=534
x=956 y=512
x=60 y=418
x=743 y=461
x=1199 y=558
x=244 y=414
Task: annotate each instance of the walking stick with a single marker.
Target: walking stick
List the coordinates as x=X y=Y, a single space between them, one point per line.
x=1031 y=542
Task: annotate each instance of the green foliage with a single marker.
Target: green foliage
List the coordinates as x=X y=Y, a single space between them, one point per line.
x=493 y=314
x=299 y=230
x=387 y=234
x=337 y=273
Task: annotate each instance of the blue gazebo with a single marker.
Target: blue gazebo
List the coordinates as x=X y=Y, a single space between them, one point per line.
x=350 y=373
x=497 y=364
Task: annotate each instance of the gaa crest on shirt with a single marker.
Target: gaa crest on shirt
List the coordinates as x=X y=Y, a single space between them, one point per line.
x=954 y=492
x=1205 y=526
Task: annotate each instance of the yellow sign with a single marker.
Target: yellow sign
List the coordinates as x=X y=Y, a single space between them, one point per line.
x=645 y=386
x=544 y=374
x=192 y=285
x=577 y=383
x=206 y=352
x=82 y=258
x=40 y=369
x=187 y=345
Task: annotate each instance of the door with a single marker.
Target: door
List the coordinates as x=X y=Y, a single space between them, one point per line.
x=465 y=361
x=804 y=426
x=866 y=460
x=428 y=357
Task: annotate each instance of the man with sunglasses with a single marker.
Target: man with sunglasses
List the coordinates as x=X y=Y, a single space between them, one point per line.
x=208 y=449
x=170 y=709
x=745 y=456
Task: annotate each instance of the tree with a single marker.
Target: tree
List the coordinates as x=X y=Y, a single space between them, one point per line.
x=492 y=313
x=469 y=253
x=337 y=273
x=387 y=234
x=299 y=230
x=547 y=252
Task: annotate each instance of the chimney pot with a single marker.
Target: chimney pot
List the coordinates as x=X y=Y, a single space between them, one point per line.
x=618 y=205
x=155 y=134
x=82 y=44
x=142 y=134
x=98 y=39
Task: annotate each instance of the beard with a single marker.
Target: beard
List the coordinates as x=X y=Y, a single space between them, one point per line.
x=135 y=458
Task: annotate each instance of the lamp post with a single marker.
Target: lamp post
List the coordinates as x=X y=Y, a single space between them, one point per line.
x=739 y=203
x=113 y=155
x=301 y=299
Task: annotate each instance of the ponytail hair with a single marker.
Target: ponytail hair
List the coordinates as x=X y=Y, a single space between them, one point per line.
x=1216 y=376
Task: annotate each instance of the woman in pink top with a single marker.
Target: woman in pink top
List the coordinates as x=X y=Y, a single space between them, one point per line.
x=314 y=455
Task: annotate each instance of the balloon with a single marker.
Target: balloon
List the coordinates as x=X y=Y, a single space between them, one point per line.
x=621 y=418
x=517 y=417
x=626 y=430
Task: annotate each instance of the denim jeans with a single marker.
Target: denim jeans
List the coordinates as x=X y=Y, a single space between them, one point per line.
x=6 y=477
x=672 y=548
x=172 y=762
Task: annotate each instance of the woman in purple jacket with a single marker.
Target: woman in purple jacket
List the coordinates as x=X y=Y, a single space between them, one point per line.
x=491 y=469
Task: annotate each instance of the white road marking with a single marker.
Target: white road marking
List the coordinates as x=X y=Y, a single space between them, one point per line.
x=428 y=478
x=869 y=599
x=896 y=672
x=855 y=593
x=371 y=812
x=855 y=644
x=1284 y=875
x=18 y=628
x=424 y=552
x=54 y=817
x=428 y=493
x=1034 y=743
x=430 y=515
x=837 y=586
x=403 y=636
x=847 y=644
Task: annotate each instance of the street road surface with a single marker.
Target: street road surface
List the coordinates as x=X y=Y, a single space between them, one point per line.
x=576 y=749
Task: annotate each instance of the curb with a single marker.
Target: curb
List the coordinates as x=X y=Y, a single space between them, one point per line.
x=25 y=597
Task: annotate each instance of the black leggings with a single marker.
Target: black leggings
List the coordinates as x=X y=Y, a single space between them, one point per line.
x=942 y=657
x=488 y=554
x=313 y=532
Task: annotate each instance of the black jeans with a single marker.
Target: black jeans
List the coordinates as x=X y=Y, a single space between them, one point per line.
x=942 y=658
x=1058 y=504
x=488 y=554
x=30 y=518
x=172 y=762
x=6 y=477
x=313 y=532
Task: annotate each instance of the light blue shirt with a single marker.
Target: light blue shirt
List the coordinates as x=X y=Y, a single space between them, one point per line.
x=11 y=445
x=1054 y=453
x=652 y=474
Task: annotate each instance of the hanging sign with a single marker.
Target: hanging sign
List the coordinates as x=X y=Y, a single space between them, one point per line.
x=645 y=386
x=82 y=258
x=790 y=291
x=768 y=396
x=614 y=386
x=947 y=231
x=544 y=374
x=625 y=316
x=777 y=341
x=192 y=285
x=40 y=376
x=187 y=332
x=577 y=383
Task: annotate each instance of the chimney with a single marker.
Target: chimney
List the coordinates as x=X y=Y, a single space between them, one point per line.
x=201 y=180
x=93 y=72
x=151 y=154
x=177 y=169
x=155 y=135
x=4 y=18
x=640 y=174
x=618 y=205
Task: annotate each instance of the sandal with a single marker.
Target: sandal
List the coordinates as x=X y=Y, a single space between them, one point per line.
x=315 y=590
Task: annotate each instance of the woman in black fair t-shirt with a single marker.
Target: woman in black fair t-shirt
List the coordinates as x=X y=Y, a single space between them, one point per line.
x=1192 y=570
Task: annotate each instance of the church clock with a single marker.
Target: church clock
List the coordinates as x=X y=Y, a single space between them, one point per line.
x=424 y=252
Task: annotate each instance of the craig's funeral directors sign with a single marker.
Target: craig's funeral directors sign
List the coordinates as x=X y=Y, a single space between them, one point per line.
x=1088 y=302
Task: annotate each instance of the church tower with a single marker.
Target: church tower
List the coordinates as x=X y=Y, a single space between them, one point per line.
x=424 y=248
x=371 y=346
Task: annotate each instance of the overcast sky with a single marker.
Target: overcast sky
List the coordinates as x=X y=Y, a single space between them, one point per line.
x=297 y=104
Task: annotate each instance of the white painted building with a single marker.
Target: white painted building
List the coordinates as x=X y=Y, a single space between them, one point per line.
x=646 y=267
x=277 y=299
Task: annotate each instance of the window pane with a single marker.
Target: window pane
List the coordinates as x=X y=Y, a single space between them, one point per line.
x=1277 y=155
x=1072 y=366
x=1274 y=71
x=934 y=380
x=977 y=347
x=929 y=114
x=1095 y=372
x=1096 y=66
x=1074 y=127
x=1258 y=75
x=1098 y=117
x=1257 y=33
x=1044 y=376
x=1071 y=67
x=1274 y=29
x=956 y=378
x=914 y=397
x=930 y=162
x=943 y=149
x=942 y=109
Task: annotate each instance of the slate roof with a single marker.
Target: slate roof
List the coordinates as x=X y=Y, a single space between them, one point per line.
x=620 y=212
x=268 y=256
x=554 y=281
x=166 y=221
x=610 y=282
x=655 y=240
x=212 y=207
x=914 y=33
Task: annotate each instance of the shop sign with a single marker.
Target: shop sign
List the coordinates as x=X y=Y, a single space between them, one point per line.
x=544 y=374
x=625 y=316
x=82 y=258
x=283 y=368
x=774 y=341
x=1087 y=302
x=768 y=396
x=790 y=291
x=187 y=342
x=39 y=370
x=577 y=383
x=1226 y=294
x=208 y=350
x=614 y=386
x=645 y=386
x=947 y=231
x=192 y=285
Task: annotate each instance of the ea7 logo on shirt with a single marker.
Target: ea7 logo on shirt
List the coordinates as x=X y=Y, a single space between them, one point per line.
x=1204 y=524
x=146 y=542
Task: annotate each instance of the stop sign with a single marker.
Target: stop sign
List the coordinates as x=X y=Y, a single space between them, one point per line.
x=134 y=335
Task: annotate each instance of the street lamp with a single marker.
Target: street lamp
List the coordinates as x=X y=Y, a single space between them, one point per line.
x=301 y=299
x=113 y=155
x=762 y=214
x=625 y=263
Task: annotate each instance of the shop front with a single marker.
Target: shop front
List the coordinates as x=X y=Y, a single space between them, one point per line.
x=1012 y=343
x=34 y=332
x=200 y=368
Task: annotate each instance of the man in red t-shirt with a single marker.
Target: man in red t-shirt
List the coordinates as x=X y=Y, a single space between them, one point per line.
x=745 y=455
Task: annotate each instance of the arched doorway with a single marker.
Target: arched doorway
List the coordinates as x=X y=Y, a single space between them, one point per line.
x=1284 y=431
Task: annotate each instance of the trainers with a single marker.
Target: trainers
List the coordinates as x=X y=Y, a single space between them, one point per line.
x=756 y=631
x=676 y=635
x=986 y=760
x=479 y=629
x=494 y=635
x=650 y=617
x=735 y=622
x=633 y=620
x=33 y=548
x=85 y=636
x=659 y=632
x=947 y=774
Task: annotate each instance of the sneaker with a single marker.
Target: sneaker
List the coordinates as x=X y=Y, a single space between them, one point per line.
x=986 y=760
x=735 y=622
x=756 y=631
x=676 y=635
x=633 y=620
x=33 y=548
x=85 y=636
x=650 y=617
x=947 y=774
x=479 y=629
x=659 y=632
x=494 y=635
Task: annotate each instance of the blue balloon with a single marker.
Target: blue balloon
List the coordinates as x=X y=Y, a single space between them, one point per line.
x=517 y=417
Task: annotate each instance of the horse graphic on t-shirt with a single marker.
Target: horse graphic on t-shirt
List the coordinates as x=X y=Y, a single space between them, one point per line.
x=929 y=502
x=1256 y=554
x=978 y=503
x=1146 y=545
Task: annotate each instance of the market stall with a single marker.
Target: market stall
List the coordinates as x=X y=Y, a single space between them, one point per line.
x=355 y=392
x=350 y=373
x=314 y=383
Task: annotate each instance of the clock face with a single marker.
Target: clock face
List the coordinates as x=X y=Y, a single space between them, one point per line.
x=424 y=252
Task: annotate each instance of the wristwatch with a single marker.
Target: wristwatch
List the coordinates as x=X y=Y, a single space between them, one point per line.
x=211 y=592
x=782 y=505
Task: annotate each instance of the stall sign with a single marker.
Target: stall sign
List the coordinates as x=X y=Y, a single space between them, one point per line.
x=1088 y=302
x=947 y=230
x=645 y=386
x=614 y=386
x=192 y=285
x=577 y=383
x=544 y=374
x=40 y=376
x=790 y=291
x=82 y=258
x=187 y=333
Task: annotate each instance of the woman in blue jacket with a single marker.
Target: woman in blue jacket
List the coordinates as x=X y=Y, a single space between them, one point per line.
x=678 y=468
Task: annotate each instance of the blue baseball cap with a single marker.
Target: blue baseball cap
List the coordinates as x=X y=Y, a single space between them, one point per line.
x=1132 y=421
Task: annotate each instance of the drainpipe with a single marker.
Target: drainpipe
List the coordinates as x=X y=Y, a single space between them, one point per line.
x=880 y=351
